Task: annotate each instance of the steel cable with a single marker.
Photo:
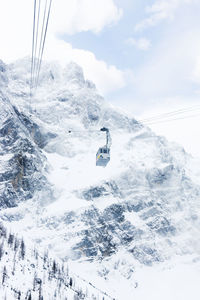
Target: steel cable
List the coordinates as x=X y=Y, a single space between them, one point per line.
x=36 y=42
x=169 y=120
x=170 y=114
x=41 y=38
x=33 y=46
x=37 y=52
x=47 y=22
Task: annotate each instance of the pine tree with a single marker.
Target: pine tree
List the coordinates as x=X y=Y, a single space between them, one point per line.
x=1 y=250
x=28 y=295
x=10 y=239
x=40 y=291
x=16 y=245
x=19 y=295
x=34 y=281
x=45 y=258
x=54 y=267
x=4 y=275
x=67 y=270
x=22 y=249
x=35 y=254
x=70 y=281
x=3 y=232
x=14 y=263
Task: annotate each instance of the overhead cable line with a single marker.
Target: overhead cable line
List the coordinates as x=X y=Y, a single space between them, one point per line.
x=44 y=39
x=33 y=46
x=170 y=119
x=170 y=114
x=152 y=121
x=41 y=38
x=83 y=131
x=38 y=41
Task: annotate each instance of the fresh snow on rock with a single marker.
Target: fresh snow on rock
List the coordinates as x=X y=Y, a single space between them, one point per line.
x=28 y=274
x=138 y=215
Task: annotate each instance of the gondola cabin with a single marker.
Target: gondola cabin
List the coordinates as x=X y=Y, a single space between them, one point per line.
x=103 y=156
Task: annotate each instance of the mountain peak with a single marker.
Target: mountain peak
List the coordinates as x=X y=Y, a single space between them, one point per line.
x=138 y=211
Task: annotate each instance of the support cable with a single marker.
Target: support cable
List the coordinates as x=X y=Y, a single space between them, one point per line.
x=170 y=119
x=47 y=22
x=33 y=46
x=36 y=42
x=170 y=114
x=41 y=41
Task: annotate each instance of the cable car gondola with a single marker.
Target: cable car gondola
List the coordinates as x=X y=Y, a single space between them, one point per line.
x=103 y=153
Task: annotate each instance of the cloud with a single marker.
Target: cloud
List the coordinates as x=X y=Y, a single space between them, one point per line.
x=106 y=77
x=173 y=68
x=141 y=43
x=84 y=15
x=161 y=10
x=15 y=28
x=16 y=19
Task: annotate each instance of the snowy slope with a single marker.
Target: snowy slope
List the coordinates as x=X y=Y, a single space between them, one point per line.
x=28 y=274
x=141 y=210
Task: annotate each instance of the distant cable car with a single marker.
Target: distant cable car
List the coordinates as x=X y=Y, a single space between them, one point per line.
x=103 y=154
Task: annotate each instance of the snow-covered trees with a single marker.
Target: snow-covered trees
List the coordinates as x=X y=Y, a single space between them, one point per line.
x=26 y=274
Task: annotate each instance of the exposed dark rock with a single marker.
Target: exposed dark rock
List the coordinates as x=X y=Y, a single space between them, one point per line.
x=23 y=172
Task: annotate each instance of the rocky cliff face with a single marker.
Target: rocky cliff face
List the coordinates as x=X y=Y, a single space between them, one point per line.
x=22 y=162
x=143 y=208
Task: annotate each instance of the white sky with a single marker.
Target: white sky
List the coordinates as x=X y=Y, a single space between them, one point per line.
x=143 y=56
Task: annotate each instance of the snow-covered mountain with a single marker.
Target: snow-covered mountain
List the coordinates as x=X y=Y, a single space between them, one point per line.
x=28 y=274
x=141 y=210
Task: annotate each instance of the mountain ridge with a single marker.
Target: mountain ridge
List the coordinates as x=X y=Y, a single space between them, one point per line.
x=142 y=209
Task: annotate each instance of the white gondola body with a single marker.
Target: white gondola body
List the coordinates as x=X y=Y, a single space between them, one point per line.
x=103 y=156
